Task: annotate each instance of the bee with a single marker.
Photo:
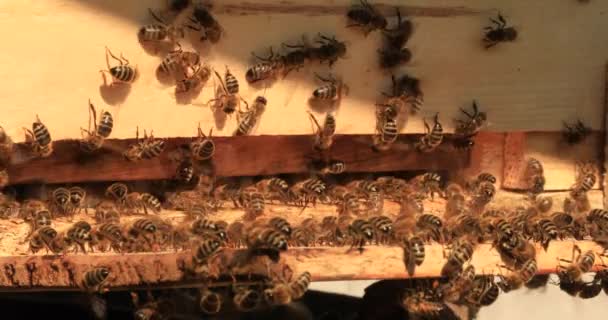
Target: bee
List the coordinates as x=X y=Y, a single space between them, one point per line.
x=433 y=137
x=324 y=135
x=347 y=201
x=274 y=188
x=360 y=231
x=60 y=201
x=42 y=237
x=332 y=90
x=148 y=148
x=38 y=219
x=302 y=236
x=484 y=176
x=145 y=201
x=398 y=36
x=391 y=57
x=285 y=290
x=123 y=73
x=247 y=120
x=236 y=235
x=205 y=250
x=430 y=183
x=585 y=179
x=547 y=231
x=598 y=217
x=227 y=99
x=6 y=146
x=184 y=173
x=159 y=31
x=107 y=235
x=499 y=32
x=79 y=233
x=462 y=251
x=484 y=292
x=203 y=20
x=431 y=224
x=143 y=229
x=467 y=129
x=575 y=133
x=266 y=238
x=192 y=82
x=484 y=194
x=203 y=148
x=420 y=306
x=537 y=281
x=94 y=139
x=178 y=61
x=253 y=201
x=210 y=302
x=407 y=90
x=330 y=50
x=383 y=228
x=413 y=254
x=386 y=133
x=534 y=176
x=269 y=67
x=39 y=139
x=366 y=17
x=118 y=192
x=516 y=279
x=309 y=190
x=77 y=199
x=246 y=298
x=95 y=279
x=581 y=262
x=280 y=224
x=204 y=227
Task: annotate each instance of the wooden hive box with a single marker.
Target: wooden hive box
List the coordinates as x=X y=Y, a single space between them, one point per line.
x=555 y=71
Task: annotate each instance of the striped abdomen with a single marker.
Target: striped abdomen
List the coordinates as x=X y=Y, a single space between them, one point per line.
x=484 y=176
x=503 y=228
x=117 y=191
x=206 y=249
x=110 y=231
x=586 y=261
x=95 y=277
x=256 y=203
x=388 y=131
x=153 y=149
x=106 y=123
x=429 y=221
x=153 y=32
x=61 y=199
x=232 y=84
x=151 y=202
x=326 y=92
x=42 y=218
x=528 y=270
x=462 y=252
x=329 y=125
x=273 y=239
x=361 y=228
x=41 y=134
x=598 y=216
x=314 y=186
x=281 y=225
x=416 y=248
x=203 y=150
x=80 y=232
x=382 y=224
x=548 y=228
x=278 y=185
x=246 y=123
x=261 y=71
x=203 y=226
x=171 y=65
x=299 y=286
x=124 y=73
x=77 y=196
x=144 y=225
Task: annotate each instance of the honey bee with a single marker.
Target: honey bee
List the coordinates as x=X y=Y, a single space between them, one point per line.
x=285 y=290
x=331 y=90
x=204 y=251
x=42 y=237
x=308 y=191
x=360 y=231
x=461 y=252
x=546 y=231
x=147 y=148
x=177 y=62
x=203 y=148
x=269 y=67
x=383 y=228
x=253 y=202
x=6 y=146
x=266 y=238
x=108 y=235
x=160 y=31
x=145 y=201
x=77 y=199
x=60 y=201
x=80 y=234
x=94 y=139
x=585 y=179
x=398 y=36
x=407 y=90
x=193 y=81
x=420 y=306
x=499 y=32
x=39 y=139
x=96 y=279
x=391 y=187
x=330 y=50
x=143 y=229
x=210 y=302
x=324 y=135
x=123 y=73
x=246 y=298
x=274 y=188
x=413 y=254
x=575 y=133
x=517 y=278
x=484 y=194
x=431 y=226
x=367 y=17
x=433 y=137
x=236 y=234
x=483 y=293
x=37 y=218
x=247 y=120
x=598 y=217
x=430 y=183
x=227 y=99
x=534 y=176
x=467 y=129
x=303 y=236
x=455 y=289
x=203 y=21
x=387 y=132
x=580 y=263
x=117 y=192
x=347 y=201
x=391 y=57
x=471 y=186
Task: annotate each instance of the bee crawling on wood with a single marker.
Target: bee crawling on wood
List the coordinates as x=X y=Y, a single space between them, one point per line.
x=330 y=50
x=177 y=62
x=39 y=139
x=331 y=90
x=93 y=140
x=499 y=32
x=227 y=96
x=534 y=176
x=147 y=148
x=203 y=21
x=407 y=89
x=580 y=263
x=117 y=192
x=96 y=279
x=247 y=120
x=145 y=201
x=391 y=57
x=461 y=252
x=123 y=73
x=575 y=133
x=60 y=201
x=366 y=17
x=324 y=135
x=193 y=82
x=269 y=67
x=433 y=137
x=203 y=148
x=467 y=129
x=387 y=129
x=160 y=31
x=78 y=234
x=413 y=254
x=284 y=289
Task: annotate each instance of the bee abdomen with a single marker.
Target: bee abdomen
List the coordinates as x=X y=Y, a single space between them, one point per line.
x=111 y=231
x=429 y=220
x=548 y=228
x=362 y=228
x=273 y=239
x=260 y=71
x=146 y=225
x=281 y=225
x=151 y=202
x=300 y=285
x=154 y=149
x=232 y=84
x=329 y=125
x=152 y=32
x=202 y=226
x=204 y=150
x=205 y=249
x=106 y=124
x=41 y=134
x=326 y=92
x=95 y=277
x=124 y=73
x=587 y=260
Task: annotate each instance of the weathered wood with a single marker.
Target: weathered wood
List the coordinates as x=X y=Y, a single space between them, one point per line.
x=518 y=84
x=558 y=158
x=234 y=156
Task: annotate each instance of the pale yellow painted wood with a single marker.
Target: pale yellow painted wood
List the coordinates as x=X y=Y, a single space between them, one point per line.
x=55 y=48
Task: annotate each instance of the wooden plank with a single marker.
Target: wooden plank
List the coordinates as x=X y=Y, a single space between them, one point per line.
x=234 y=156
x=558 y=158
x=517 y=83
